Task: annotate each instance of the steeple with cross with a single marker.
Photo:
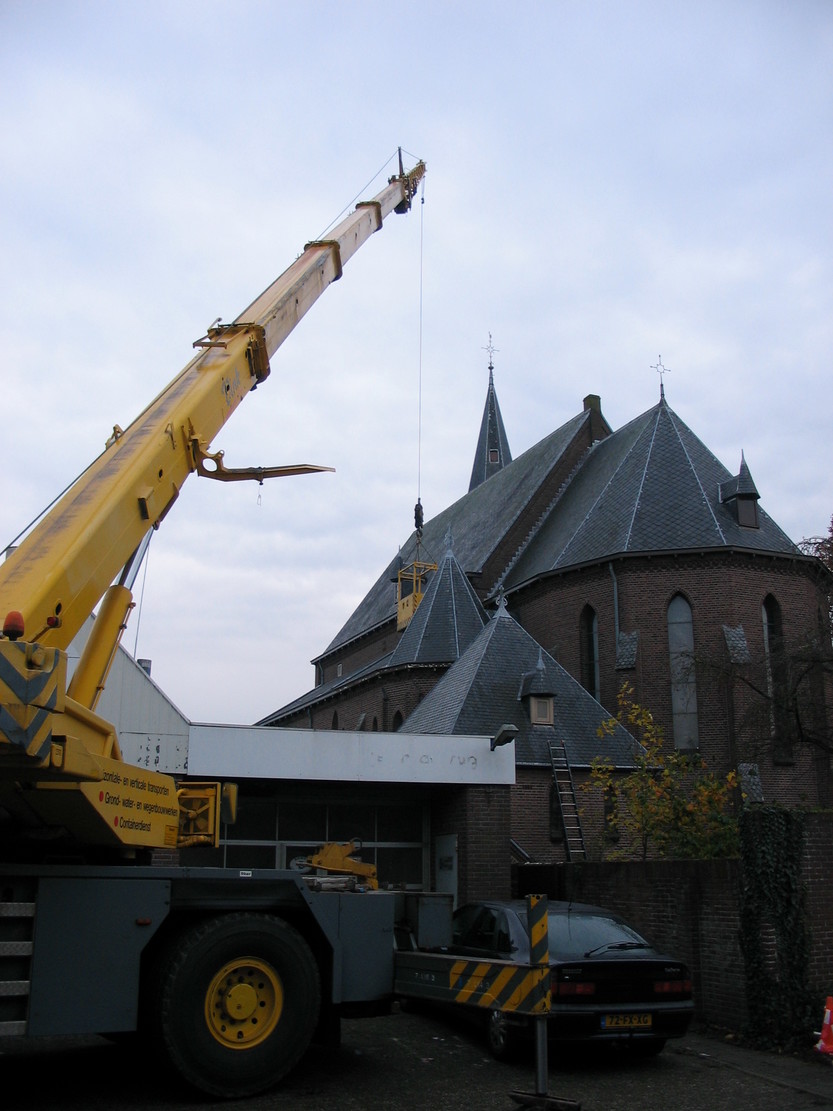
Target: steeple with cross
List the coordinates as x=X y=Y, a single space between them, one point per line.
x=492 y=452
x=661 y=370
x=490 y=347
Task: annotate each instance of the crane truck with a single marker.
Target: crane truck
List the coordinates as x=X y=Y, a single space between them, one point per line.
x=102 y=929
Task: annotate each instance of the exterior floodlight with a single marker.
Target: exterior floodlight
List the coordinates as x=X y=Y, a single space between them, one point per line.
x=504 y=736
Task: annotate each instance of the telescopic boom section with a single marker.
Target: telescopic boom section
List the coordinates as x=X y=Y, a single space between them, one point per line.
x=62 y=570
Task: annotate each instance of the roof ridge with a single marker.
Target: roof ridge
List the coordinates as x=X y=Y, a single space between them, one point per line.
x=600 y=495
x=720 y=532
x=542 y=516
x=455 y=624
x=644 y=472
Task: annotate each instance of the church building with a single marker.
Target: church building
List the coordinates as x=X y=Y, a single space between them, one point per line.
x=598 y=557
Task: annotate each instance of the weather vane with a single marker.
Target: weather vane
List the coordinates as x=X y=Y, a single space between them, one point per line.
x=490 y=347
x=661 y=370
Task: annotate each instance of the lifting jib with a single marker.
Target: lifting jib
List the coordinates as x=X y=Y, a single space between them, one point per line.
x=85 y=545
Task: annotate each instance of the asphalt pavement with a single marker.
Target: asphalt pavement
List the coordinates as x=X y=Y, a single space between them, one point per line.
x=425 y=1062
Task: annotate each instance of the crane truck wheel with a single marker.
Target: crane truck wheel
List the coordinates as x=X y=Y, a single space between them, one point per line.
x=238 y=1003
x=501 y=1038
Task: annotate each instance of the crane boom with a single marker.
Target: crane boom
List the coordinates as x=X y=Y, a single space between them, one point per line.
x=50 y=737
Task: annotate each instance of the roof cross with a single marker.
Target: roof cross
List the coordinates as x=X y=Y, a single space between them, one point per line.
x=490 y=347
x=661 y=370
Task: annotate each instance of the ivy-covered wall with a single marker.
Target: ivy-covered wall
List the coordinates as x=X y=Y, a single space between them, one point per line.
x=775 y=927
x=757 y=932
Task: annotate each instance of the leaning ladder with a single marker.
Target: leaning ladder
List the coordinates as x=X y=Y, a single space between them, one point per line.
x=563 y=777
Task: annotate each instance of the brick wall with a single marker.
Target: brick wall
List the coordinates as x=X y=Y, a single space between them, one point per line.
x=722 y=589
x=480 y=817
x=378 y=703
x=360 y=652
x=692 y=909
x=542 y=837
x=530 y=811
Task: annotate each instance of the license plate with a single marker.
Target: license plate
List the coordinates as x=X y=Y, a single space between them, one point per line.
x=626 y=1022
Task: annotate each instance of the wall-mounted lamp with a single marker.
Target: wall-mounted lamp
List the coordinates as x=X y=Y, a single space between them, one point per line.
x=504 y=736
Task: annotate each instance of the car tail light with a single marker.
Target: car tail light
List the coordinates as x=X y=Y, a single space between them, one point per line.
x=672 y=987
x=570 y=989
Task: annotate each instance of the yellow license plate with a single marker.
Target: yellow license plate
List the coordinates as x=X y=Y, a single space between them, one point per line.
x=626 y=1022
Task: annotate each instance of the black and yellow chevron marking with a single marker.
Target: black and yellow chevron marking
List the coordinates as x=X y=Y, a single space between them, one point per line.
x=499 y=985
x=536 y=910
x=505 y=987
x=32 y=687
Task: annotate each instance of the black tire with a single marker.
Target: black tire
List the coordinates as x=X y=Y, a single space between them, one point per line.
x=237 y=1003
x=501 y=1037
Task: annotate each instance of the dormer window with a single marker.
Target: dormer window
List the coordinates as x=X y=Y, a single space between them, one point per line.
x=540 y=710
x=742 y=495
x=747 y=512
x=536 y=694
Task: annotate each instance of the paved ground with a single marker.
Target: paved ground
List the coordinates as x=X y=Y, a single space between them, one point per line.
x=418 y=1062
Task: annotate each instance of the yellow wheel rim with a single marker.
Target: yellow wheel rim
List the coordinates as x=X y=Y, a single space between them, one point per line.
x=244 y=1002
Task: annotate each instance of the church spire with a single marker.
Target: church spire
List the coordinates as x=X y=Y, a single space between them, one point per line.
x=492 y=452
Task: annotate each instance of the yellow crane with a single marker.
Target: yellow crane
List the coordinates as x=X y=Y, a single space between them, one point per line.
x=56 y=752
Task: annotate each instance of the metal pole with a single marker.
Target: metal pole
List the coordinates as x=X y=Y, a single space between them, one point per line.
x=541 y=1065
x=539 y=957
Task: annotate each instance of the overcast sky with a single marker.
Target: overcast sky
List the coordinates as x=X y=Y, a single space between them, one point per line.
x=608 y=184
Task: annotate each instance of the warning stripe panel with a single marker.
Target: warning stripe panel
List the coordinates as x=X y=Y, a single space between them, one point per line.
x=30 y=675
x=33 y=734
x=495 y=984
x=32 y=683
x=537 y=924
x=508 y=987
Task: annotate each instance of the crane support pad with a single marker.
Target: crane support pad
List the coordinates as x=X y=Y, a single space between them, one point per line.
x=32 y=686
x=501 y=985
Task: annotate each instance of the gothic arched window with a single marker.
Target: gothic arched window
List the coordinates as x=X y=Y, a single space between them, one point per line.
x=777 y=681
x=683 y=677
x=589 y=647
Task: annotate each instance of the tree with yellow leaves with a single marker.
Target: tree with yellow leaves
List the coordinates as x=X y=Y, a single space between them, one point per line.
x=670 y=804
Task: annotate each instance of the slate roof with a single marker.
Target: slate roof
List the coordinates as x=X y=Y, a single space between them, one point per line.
x=483 y=691
x=743 y=485
x=651 y=486
x=492 y=452
x=446 y=621
x=477 y=522
x=324 y=691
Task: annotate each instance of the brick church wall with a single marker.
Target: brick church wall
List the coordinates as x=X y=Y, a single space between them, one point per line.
x=733 y=724
x=691 y=909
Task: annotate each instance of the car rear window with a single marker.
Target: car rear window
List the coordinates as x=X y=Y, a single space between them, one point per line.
x=574 y=935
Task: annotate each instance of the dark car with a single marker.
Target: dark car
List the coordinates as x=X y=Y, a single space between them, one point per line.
x=607 y=982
